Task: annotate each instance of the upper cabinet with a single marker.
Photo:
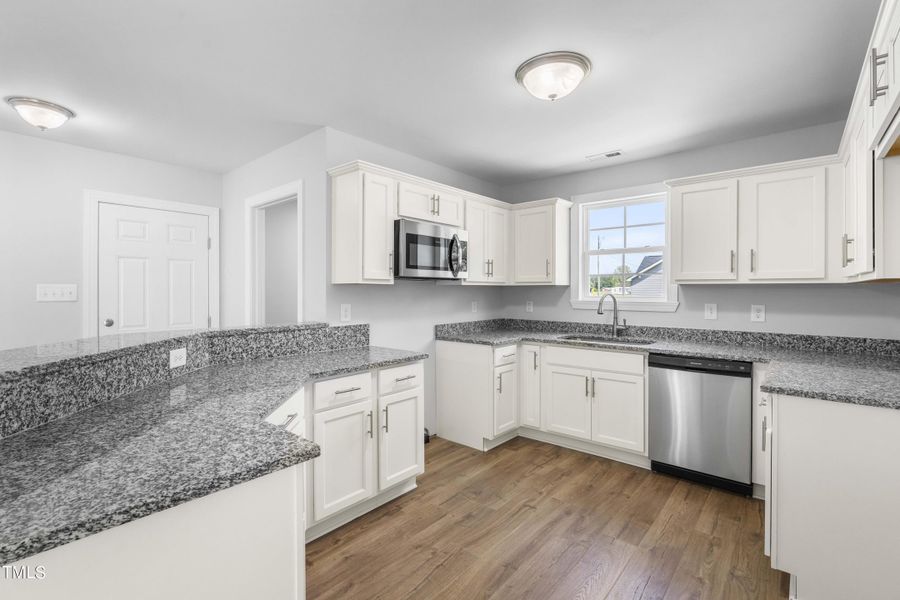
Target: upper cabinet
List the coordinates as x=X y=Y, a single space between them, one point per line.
x=525 y=243
x=541 y=242
x=427 y=203
x=704 y=231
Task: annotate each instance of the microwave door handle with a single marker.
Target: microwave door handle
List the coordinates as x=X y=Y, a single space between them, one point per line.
x=453 y=255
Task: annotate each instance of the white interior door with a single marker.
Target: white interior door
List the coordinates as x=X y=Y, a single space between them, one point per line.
x=153 y=270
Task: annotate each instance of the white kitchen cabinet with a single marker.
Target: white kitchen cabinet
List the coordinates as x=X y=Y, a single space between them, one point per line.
x=541 y=242
x=506 y=401
x=704 y=231
x=834 y=490
x=858 y=209
x=401 y=451
x=617 y=414
x=363 y=209
x=782 y=225
x=488 y=229
x=567 y=402
x=530 y=386
x=344 y=474
x=426 y=203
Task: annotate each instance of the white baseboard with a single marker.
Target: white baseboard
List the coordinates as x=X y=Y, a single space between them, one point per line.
x=334 y=521
x=759 y=491
x=622 y=456
x=500 y=440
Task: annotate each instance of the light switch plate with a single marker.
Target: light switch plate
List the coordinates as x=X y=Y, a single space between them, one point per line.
x=345 y=312
x=710 y=312
x=177 y=358
x=57 y=292
x=529 y=306
x=758 y=313
x=474 y=306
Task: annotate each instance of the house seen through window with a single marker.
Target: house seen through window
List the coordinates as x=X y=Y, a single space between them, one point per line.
x=624 y=248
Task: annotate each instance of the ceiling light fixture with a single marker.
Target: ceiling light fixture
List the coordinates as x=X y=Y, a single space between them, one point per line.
x=553 y=75
x=40 y=113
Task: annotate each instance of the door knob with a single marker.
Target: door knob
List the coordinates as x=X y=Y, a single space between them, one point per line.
x=109 y=322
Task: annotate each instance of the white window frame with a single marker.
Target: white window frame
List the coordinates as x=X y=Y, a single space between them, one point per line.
x=583 y=203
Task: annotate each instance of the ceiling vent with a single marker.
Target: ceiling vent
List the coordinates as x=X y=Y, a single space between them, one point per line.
x=609 y=154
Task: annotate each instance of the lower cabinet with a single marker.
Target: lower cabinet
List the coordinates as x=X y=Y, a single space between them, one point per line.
x=530 y=386
x=617 y=410
x=369 y=444
x=566 y=392
x=506 y=401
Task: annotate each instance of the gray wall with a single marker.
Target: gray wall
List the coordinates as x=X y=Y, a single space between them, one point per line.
x=871 y=310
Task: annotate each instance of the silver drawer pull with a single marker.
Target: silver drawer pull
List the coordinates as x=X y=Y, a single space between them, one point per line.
x=347 y=391
x=508 y=355
x=407 y=378
x=290 y=419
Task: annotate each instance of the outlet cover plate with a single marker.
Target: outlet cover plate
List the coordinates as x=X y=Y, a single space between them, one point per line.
x=758 y=313
x=56 y=292
x=177 y=358
x=529 y=306
x=710 y=312
x=345 y=312
x=475 y=306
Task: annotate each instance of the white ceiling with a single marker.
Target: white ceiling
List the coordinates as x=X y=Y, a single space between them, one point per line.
x=212 y=83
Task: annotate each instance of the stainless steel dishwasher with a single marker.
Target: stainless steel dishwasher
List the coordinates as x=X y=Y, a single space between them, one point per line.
x=700 y=420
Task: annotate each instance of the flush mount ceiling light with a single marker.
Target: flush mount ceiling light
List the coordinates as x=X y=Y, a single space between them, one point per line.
x=553 y=75
x=40 y=113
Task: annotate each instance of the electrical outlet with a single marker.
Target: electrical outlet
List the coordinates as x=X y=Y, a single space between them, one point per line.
x=57 y=292
x=474 y=306
x=345 y=312
x=177 y=358
x=711 y=312
x=758 y=313
x=529 y=306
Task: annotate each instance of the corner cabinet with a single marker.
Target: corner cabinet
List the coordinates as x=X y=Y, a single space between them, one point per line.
x=541 y=242
x=508 y=244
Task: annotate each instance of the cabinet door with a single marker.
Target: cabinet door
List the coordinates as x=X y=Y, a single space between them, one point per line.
x=401 y=443
x=379 y=197
x=860 y=243
x=617 y=417
x=530 y=386
x=704 y=231
x=506 y=401
x=428 y=204
x=478 y=247
x=566 y=401
x=344 y=474
x=498 y=240
x=534 y=244
x=783 y=225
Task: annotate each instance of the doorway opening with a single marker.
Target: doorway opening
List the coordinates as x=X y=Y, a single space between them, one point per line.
x=274 y=283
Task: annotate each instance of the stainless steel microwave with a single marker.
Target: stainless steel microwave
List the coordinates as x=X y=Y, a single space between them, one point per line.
x=429 y=251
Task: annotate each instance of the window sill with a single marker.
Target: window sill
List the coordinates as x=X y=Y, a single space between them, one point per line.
x=630 y=305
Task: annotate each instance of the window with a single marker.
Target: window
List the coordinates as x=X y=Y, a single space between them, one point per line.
x=623 y=252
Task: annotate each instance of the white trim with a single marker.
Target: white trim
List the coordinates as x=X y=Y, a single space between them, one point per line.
x=252 y=273
x=91 y=249
x=330 y=523
x=624 y=196
x=819 y=161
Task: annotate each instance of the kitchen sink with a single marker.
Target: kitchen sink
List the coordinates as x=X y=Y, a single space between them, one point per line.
x=599 y=339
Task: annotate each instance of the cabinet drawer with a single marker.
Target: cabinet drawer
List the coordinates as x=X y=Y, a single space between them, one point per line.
x=289 y=414
x=342 y=390
x=505 y=355
x=616 y=362
x=397 y=379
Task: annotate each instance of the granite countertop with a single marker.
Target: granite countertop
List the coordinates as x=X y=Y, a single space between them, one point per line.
x=864 y=379
x=156 y=448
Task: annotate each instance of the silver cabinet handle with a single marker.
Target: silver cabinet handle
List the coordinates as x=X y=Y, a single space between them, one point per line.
x=487 y=268
x=391 y=263
x=548 y=267
x=765 y=426
x=108 y=323
x=385 y=411
x=439 y=204
x=534 y=352
x=492 y=267
x=369 y=415
x=407 y=378
x=290 y=419
x=752 y=260
x=500 y=384
x=347 y=391
x=586 y=392
x=508 y=355
x=876 y=60
x=732 y=261
x=433 y=201
x=593 y=387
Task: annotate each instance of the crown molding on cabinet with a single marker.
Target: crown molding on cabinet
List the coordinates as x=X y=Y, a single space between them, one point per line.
x=819 y=161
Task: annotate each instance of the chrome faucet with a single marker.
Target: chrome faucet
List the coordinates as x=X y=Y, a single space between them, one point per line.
x=615 y=319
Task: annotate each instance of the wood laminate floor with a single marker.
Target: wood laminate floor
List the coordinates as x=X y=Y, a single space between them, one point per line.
x=532 y=520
